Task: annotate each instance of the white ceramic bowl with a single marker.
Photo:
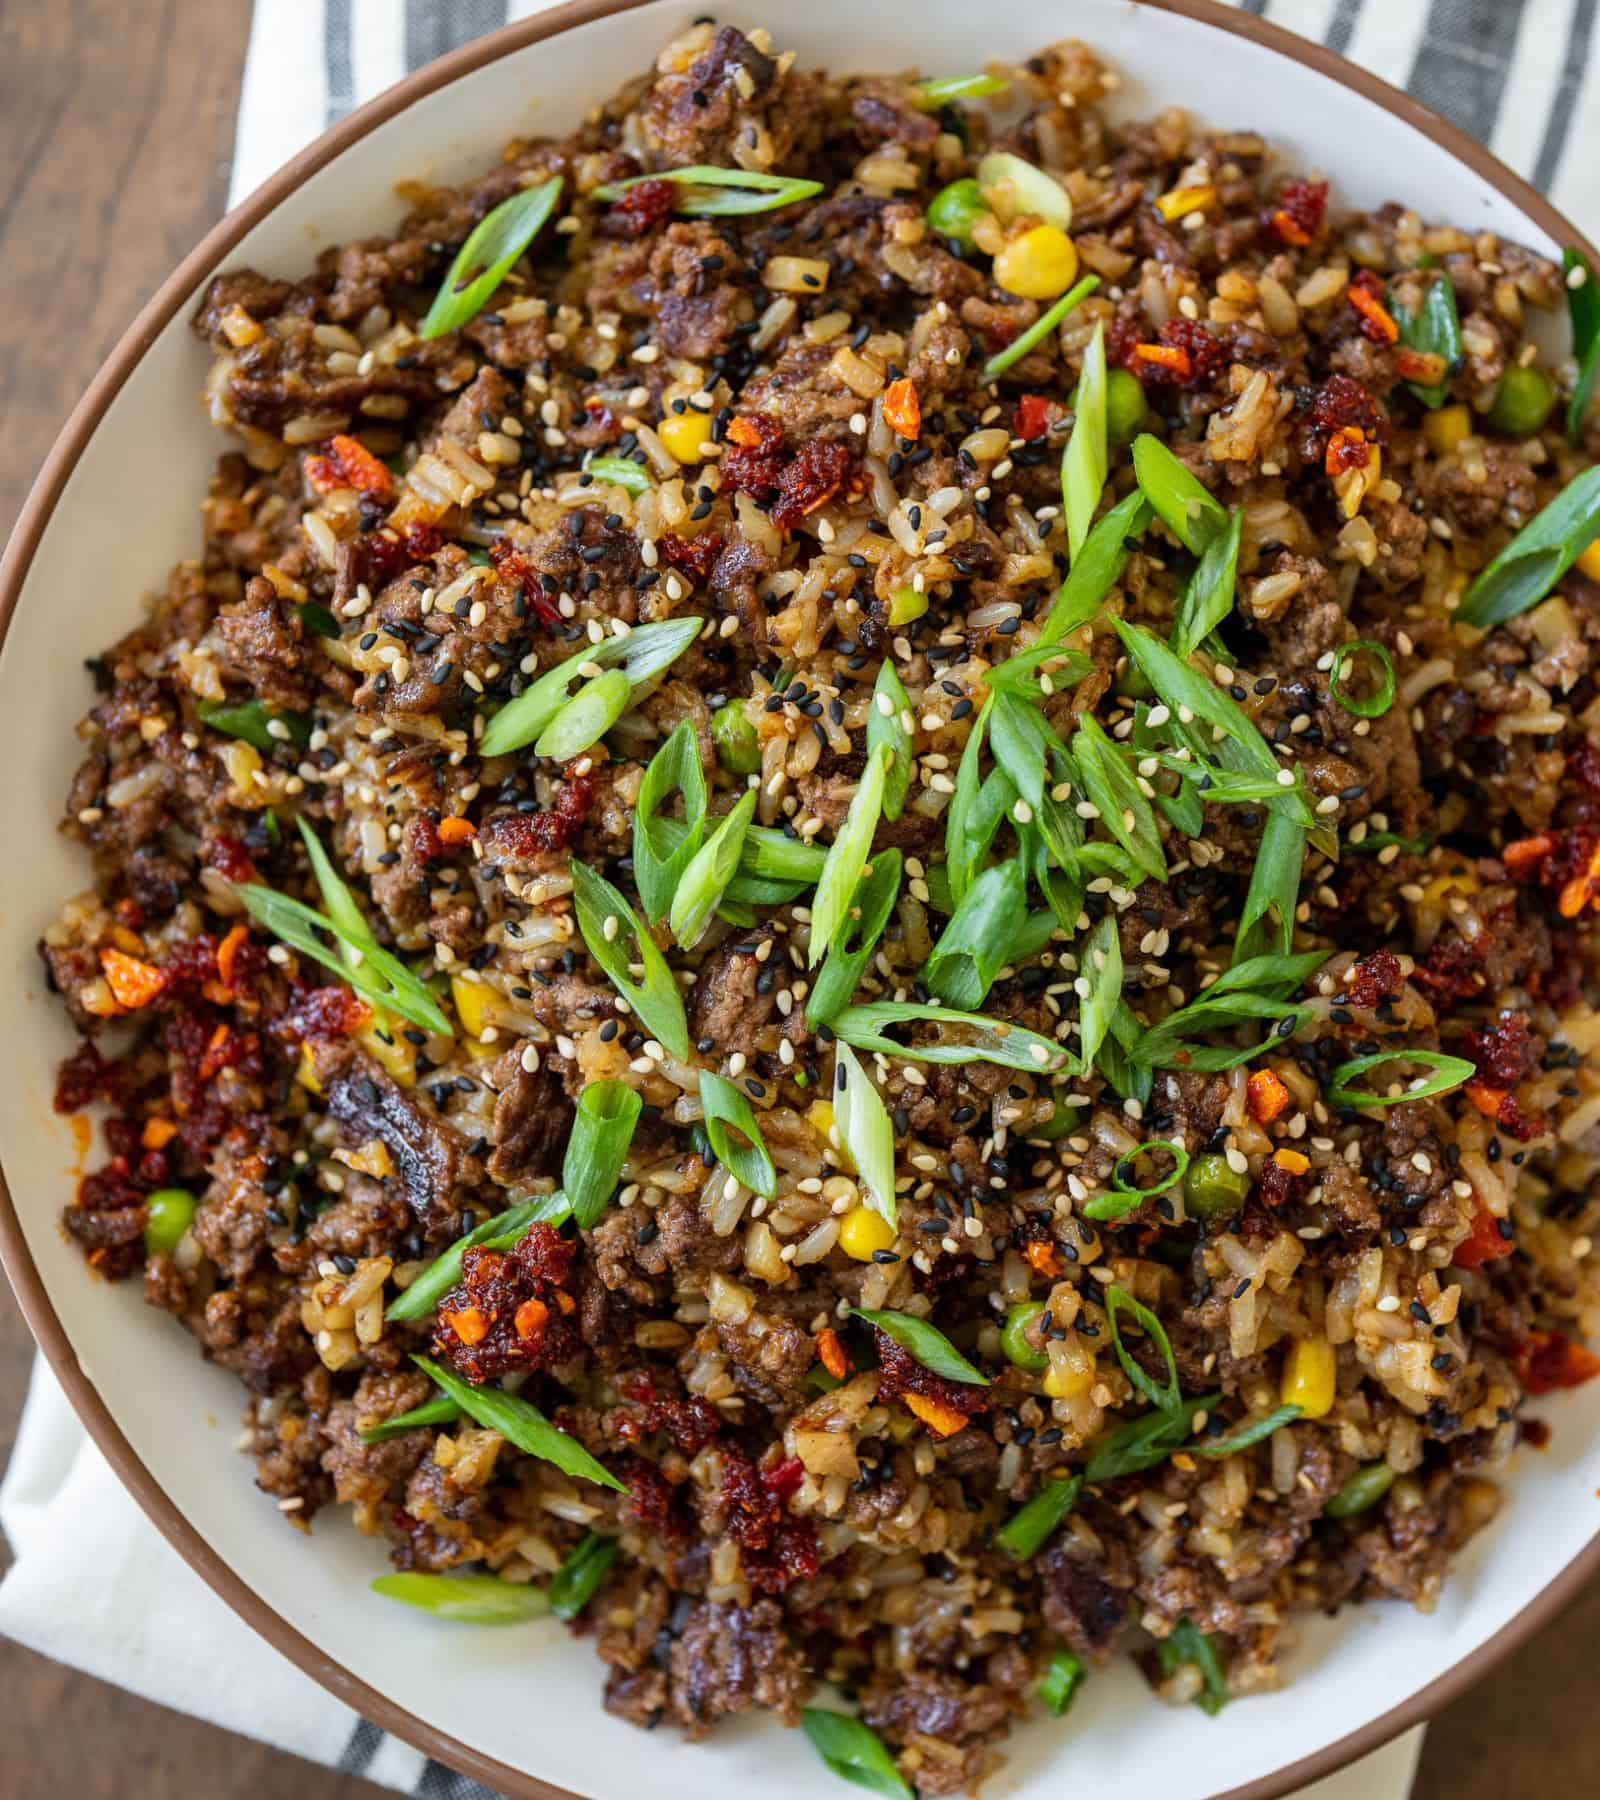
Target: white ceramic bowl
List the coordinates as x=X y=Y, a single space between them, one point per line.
x=116 y=506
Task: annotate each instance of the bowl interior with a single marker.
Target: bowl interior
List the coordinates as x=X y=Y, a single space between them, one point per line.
x=527 y=1697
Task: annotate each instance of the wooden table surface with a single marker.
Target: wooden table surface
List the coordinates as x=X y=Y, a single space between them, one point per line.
x=116 y=126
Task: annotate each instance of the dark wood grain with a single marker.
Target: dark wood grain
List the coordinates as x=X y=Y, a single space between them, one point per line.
x=116 y=124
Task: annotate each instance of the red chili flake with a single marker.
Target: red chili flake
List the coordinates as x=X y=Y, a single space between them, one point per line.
x=1202 y=355
x=1277 y=1184
x=525 y=835
x=422 y=840
x=1372 y=979
x=1341 y=401
x=774 y=1550
x=1485 y=1242
x=1347 y=449
x=487 y=1327
x=753 y=464
x=697 y=554
x=810 y=481
x=190 y=963
x=1299 y=213
x=322 y=1012
x=347 y=462
x=900 y=1373
x=1547 y=1360
x=652 y=1497
x=639 y=208
x=1516 y=1121
x=511 y=565
x=785 y=1479
x=1583 y=765
x=228 y=857
x=1034 y=416
x=691 y=1423
x=603 y=422
x=1365 y=294
x=389 y=554
x=86 y=1077
x=1505 y=1052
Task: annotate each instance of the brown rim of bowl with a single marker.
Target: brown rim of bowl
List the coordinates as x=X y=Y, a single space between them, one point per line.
x=173 y=294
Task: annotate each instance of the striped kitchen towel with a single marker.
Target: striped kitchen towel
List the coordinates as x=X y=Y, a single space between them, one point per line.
x=1517 y=74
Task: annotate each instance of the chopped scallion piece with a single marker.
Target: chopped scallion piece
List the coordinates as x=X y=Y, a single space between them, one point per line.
x=854 y=1752
x=1030 y=1528
x=1189 y=510
x=931 y=95
x=977 y=942
x=727 y=1111
x=602 y=1131
x=485 y=259
x=620 y=471
x=1448 y=1074
x=578 y=1579
x=658 y=865
x=586 y=717
x=1207 y=597
x=1583 y=310
x=252 y=722
x=442 y=1274
x=1370 y=706
x=1435 y=330
x=521 y=1424
x=1537 y=557
x=925 y=1342
x=1040 y=329
x=865 y=1129
x=1064 y=1674
x=989 y=1040
x=616 y=939
x=887 y=730
x=1124 y=1197
x=1165 y=1395
x=841 y=973
x=1101 y=976
x=467 y=1599
x=1188 y=1644
x=1252 y=1431
x=708 y=192
x=440 y=1410
x=1084 y=462
x=708 y=874
x=841 y=873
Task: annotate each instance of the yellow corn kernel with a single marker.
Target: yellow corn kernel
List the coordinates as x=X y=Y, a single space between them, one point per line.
x=306 y=1074
x=395 y=1055
x=471 y=1000
x=1309 y=1372
x=906 y=604
x=862 y=1231
x=1182 y=200
x=1589 y=561
x=1445 y=429
x=686 y=434
x=1041 y=264
x=1063 y=1382
x=819 y=1116
x=795 y=274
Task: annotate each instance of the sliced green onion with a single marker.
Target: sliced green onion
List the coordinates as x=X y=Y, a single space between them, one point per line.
x=338 y=901
x=1188 y=509
x=727 y=1111
x=962 y=838
x=992 y=1040
x=1028 y=1529
x=442 y=1274
x=1013 y=186
x=440 y=1410
x=642 y=653
x=620 y=471
x=602 y=1131
x=708 y=874
x=887 y=731
x=586 y=717
x=1112 y=788
x=1064 y=1674
x=929 y=96
x=318 y=620
x=1207 y=597
x=1252 y=1431
x=485 y=259
x=1166 y=1395
x=657 y=999
x=737 y=744
x=841 y=873
x=1583 y=310
x=926 y=1343
x=976 y=944
x=1100 y=971
x=1537 y=557
x=1124 y=1198
x=854 y=1752
x=865 y=1130
x=1084 y=462
x=1361 y=1492
x=840 y=975
x=1041 y=328
x=1022 y=743
x=658 y=866
x=1267 y=921
x=1375 y=705
x=578 y=1579
x=467 y=1599
x=252 y=721
x=1097 y=569
x=1435 y=329
x=521 y=1424
x=1188 y=1644
x=1146 y=1442
x=1448 y=1074
x=709 y=192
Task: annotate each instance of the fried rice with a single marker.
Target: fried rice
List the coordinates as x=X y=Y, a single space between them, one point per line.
x=1219 y=1179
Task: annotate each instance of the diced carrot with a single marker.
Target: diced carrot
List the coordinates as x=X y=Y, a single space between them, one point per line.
x=228 y=952
x=1292 y=1162
x=745 y=432
x=1169 y=356
x=157 y=1133
x=1289 y=229
x=566 y=1302
x=1267 y=1096
x=1483 y=1244
x=133 y=983
x=1547 y=1360
x=1487 y=1098
x=349 y=463
x=1582 y=890
x=469 y=1324
x=215 y=1055
x=1044 y=1257
x=1372 y=308
x=531 y=1318
x=832 y=1353
x=1527 y=853
x=902 y=411
x=938 y=1417
x=456 y=831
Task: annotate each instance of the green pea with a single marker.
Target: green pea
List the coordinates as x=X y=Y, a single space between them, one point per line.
x=1125 y=407
x=738 y=748
x=1213 y=1190
x=1523 y=402
x=1361 y=1492
x=168 y=1214
x=1015 y=1344
x=1063 y=1120
x=953 y=210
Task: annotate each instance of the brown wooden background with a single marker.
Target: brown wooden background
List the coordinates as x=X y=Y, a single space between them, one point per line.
x=116 y=125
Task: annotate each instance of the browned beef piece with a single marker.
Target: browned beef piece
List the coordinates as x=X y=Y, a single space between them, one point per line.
x=256 y=1332
x=803 y=393
x=364 y=272
x=623 y=1263
x=477 y=408
x=771 y=1356
x=1405 y=1553
x=939 y=1704
x=692 y=289
x=1508 y=494
x=231 y=1223
x=289 y=1445
x=258 y=295
x=735 y=580
x=884 y=113
x=692 y=117
x=728 y=1659
x=428 y=1152
x=260 y=644
x=532 y=1120
x=726 y=1008
x=364 y=1474
x=1085 y=1601
x=367 y=1220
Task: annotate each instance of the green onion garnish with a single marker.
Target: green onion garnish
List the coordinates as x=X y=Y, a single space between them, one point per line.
x=1084 y=462
x=1165 y=1395
x=708 y=192
x=444 y=1271
x=1146 y=1442
x=1185 y=506
x=1064 y=1674
x=1252 y=1431
x=521 y=1424
x=1097 y=569
x=617 y=939
x=1113 y=789
x=1361 y=1492
x=841 y=973
x=976 y=944
x=865 y=1130
x=440 y=1410
x=929 y=96
x=727 y=1111
x=1031 y=1526
x=1099 y=989
x=620 y=471
x=1583 y=310
x=847 y=857
x=926 y=1343
x=1125 y=1198
x=658 y=865
x=578 y=1579
x=854 y=1752
x=1041 y=328
x=467 y=1599
x=1434 y=329
x=586 y=717
x=1188 y=1644
x=1448 y=1074
x=485 y=259
x=991 y=1040
x=1373 y=706
x=1537 y=557
x=887 y=730
x=1022 y=744
x=252 y=721
x=602 y=1130
x=975 y=810
x=709 y=873
x=1267 y=921
x=1207 y=597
